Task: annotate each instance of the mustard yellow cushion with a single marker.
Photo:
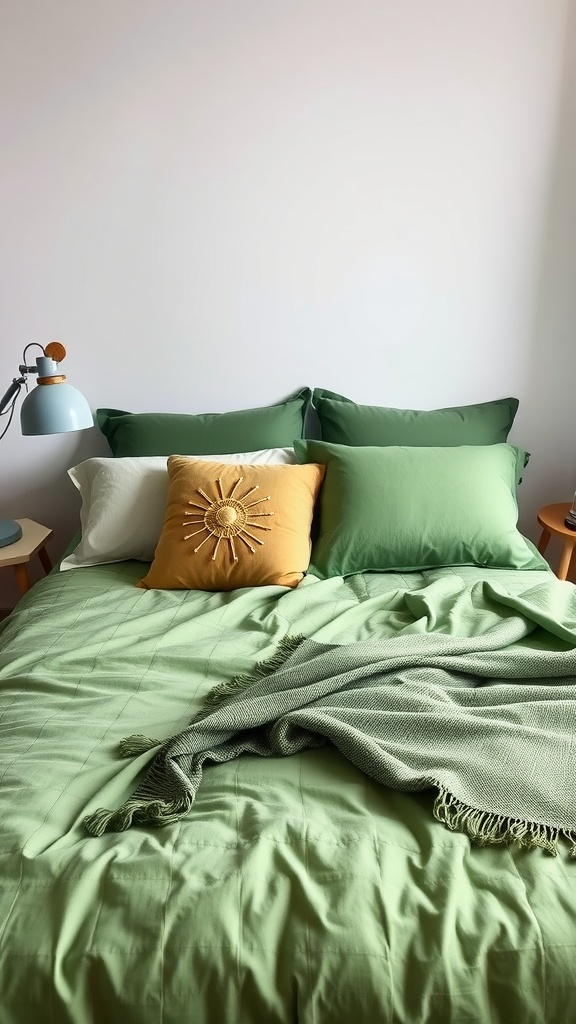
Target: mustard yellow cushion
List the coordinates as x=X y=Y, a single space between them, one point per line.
x=231 y=525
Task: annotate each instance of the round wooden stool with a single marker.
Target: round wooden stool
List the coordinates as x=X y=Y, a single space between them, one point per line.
x=551 y=519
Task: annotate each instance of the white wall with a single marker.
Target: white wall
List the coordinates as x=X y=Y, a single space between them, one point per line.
x=212 y=204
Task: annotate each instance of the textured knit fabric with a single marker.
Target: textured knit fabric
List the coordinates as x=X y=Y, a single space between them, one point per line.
x=412 y=712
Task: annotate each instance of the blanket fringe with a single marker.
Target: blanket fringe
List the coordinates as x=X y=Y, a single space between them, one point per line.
x=230 y=688
x=486 y=828
x=132 y=746
x=138 y=812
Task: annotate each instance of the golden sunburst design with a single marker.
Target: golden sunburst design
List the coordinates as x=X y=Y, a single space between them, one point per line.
x=226 y=517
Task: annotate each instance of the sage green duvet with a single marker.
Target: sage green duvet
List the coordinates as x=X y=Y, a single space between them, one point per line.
x=295 y=889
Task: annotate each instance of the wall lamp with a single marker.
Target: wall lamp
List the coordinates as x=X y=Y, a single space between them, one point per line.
x=52 y=407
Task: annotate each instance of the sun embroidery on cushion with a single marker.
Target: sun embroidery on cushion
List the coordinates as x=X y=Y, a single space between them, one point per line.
x=226 y=517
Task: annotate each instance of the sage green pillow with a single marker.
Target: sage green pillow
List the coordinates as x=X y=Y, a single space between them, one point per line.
x=345 y=422
x=402 y=508
x=248 y=430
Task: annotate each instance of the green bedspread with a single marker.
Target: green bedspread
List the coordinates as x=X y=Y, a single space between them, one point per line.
x=295 y=888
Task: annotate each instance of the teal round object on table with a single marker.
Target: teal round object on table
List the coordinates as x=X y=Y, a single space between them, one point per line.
x=10 y=531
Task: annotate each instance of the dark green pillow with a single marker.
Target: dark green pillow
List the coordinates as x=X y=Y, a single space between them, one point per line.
x=345 y=422
x=246 y=430
x=403 y=508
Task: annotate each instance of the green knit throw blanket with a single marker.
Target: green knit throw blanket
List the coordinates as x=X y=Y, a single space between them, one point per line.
x=489 y=723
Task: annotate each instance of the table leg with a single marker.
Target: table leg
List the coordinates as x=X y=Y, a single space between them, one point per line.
x=565 y=559
x=22 y=577
x=544 y=538
x=45 y=559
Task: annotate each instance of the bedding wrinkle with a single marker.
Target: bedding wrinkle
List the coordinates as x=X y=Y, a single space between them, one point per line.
x=260 y=919
x=545 y=926
x=387 y=923
x=309 y=976
x=166 y=967
x=466 y=920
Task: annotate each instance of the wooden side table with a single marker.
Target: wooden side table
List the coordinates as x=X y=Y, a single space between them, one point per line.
x=551 y=519
x=33 y=541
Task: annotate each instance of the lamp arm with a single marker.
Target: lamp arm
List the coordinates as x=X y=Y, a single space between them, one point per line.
x=11 y=392
x=17 y=382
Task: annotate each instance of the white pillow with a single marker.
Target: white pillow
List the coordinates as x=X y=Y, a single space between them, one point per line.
x=124 y=500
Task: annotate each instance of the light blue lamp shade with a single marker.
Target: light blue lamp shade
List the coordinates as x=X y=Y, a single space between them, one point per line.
x=54 y=409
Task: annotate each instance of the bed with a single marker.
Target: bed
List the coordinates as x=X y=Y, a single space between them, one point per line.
x=242 y=803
